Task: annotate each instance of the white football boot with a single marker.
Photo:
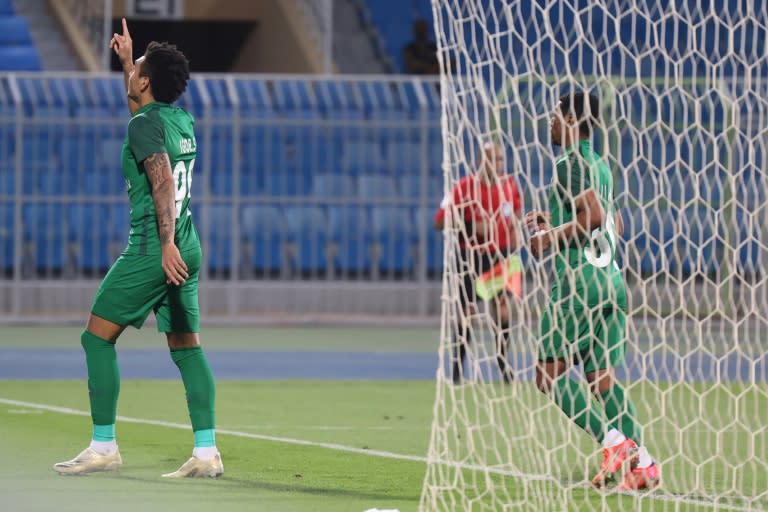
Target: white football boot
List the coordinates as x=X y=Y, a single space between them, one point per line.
x=89 y=461
x=195 y=467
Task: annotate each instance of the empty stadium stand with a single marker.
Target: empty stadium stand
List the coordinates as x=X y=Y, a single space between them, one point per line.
x=316 y=178
x=17 y=50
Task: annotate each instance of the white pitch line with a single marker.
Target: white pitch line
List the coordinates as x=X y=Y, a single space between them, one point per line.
x=352 y=449
x=235 y=433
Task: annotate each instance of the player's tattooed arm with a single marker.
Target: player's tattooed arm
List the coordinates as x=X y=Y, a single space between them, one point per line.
x=158 y=169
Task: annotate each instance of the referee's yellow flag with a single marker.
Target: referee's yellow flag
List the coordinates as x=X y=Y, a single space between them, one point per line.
x=505 y=275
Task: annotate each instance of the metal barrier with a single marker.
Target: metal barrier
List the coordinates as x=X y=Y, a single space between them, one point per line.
x=314 y=197
x=302 y=186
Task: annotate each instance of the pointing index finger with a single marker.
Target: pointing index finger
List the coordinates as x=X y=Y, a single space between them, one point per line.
x=125 y=28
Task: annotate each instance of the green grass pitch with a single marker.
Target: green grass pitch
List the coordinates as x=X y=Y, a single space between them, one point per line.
x=330 y=445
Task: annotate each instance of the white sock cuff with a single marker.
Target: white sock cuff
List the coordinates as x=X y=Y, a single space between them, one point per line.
x=612 y=438
x=645 y=459
x=104 y=447
x=205 y=453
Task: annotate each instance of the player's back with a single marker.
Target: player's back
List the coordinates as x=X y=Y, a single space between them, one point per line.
x=159 y=128
x=587 y=268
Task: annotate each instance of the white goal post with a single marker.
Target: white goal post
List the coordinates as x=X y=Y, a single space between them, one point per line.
x=683 y=87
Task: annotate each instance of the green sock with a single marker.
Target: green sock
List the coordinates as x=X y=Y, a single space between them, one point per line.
x=199 y=385
x=103 y=378
x=578 y=405
x=621 y=413
x=205 y=438
x=104 y=433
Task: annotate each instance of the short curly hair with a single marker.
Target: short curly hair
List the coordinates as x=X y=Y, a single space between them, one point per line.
x=167 y=69
x=585 y=107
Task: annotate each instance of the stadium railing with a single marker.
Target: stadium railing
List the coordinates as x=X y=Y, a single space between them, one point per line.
x=313 y=196
x=304 y=189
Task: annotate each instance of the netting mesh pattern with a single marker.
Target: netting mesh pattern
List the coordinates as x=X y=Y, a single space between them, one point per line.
x=683 y=87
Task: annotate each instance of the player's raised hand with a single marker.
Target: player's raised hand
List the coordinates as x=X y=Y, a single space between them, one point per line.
x=122 y=44
x=538 y=220
x=540 y=242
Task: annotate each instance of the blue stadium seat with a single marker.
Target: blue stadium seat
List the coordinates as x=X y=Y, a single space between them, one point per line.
x=221 y=152
x=76 y=153
x=294 y=98
x=119 y=222
x=361 y=156
x=682 y=186
x=110 y=150
x=644 y=184
x=88 y=228
x=14 y=31
x=51 y=183
x=221 y=183
x=697 y=250
x=393 y=233
x=286 y=184
x=255 y=98
x=337 y=100
x=409 y=187
x=652 y=233
x=218 y=250
x=308 y=232
x=19 y=58
x=263 y=150
x=747 y=242
x=751 y=186
x=435 y=239
x=40 y=148
x=7 y=182
x=404 y=157
x=44 y=229
x=251 y=182
x=7 y=233
x=72 y=93
x=263 y=232
x=332 y=186
x=97 y=183
x=383 y=101
x=376 y=187
x=351 y=237
x=192 y=99
x=6 y=8
x=302 y=150
x=220 y=106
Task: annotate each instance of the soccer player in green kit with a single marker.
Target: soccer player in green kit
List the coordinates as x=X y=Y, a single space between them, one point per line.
x=585 y=320
x=158 y=270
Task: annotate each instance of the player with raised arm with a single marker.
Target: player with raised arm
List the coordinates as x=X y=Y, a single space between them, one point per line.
x=585 y=319
x=159 y=269
x=486 y=207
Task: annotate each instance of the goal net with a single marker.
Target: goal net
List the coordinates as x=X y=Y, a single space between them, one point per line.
x=683 y=89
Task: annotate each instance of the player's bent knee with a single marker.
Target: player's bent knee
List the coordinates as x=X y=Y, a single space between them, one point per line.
x=178 y=340
x=103 y=328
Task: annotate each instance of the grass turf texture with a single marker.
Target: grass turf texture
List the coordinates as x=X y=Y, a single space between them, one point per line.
x=388 y=416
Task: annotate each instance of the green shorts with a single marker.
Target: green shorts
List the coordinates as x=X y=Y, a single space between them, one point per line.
x=593 y=337
x=136 y=285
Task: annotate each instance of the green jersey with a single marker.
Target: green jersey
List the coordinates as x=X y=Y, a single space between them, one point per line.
x=587 y=272
x=159 y=128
